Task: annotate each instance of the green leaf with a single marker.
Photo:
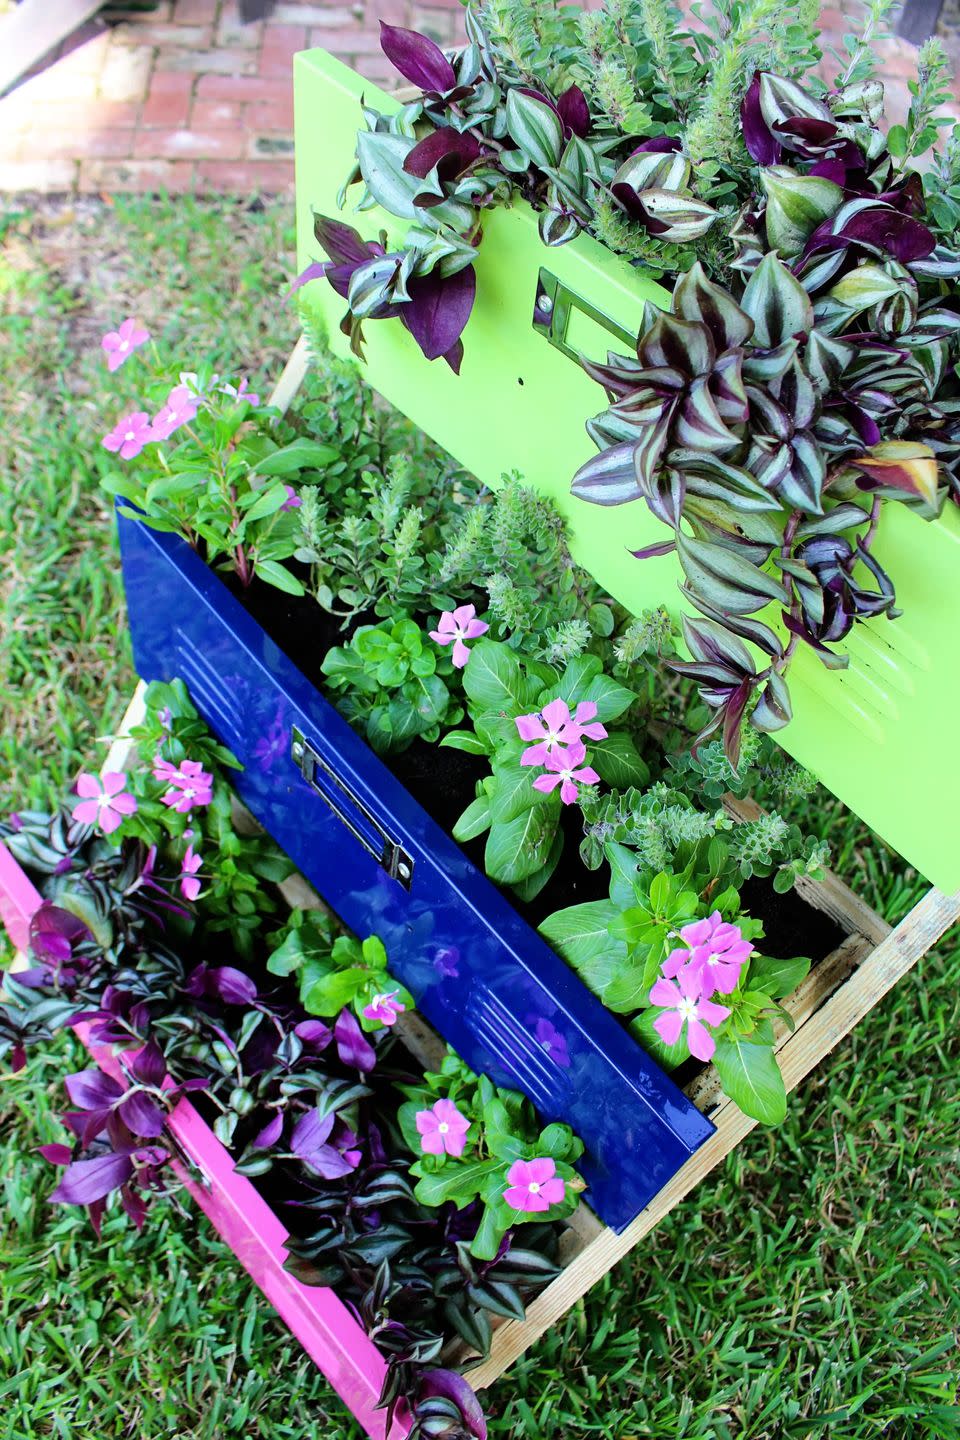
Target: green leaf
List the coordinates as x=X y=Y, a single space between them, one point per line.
x=796 y=205
x=617 y=761
x=493 y=679
x=464 y=740
x=381 y=157
x=535 y=127
x=777 y=303
x=521 y=846
x=513 y=792
x=751 y=1077
x=458 y=1181
x=275 y=574
x=300 y=454
x=474 y=820
x=326 y=994
x=581 y=933
x=777 y=977
x=897 y=141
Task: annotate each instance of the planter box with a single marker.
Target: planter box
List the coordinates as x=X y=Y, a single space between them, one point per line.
x=478 y=972
x=520 y=403
x=325 y=1327
x=825 y=1008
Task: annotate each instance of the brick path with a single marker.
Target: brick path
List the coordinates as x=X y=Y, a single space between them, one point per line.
x=185 y=97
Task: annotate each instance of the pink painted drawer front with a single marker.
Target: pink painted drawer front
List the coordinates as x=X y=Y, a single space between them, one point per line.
x=317 y=1317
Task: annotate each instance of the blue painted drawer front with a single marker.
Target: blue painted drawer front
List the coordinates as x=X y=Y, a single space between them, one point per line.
x=482 y=977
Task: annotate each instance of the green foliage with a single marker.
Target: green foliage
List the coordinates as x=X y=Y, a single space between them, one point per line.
x=514 y=546
x=334 y=971
x=524 y=841
x=503 y=1128
x=618 y=948
x=393 y=683
x=930 y=92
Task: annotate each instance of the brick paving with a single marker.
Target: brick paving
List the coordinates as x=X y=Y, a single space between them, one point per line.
x=186 y=97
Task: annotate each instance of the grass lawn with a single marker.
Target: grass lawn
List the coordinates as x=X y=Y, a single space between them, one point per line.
x=809 y=1288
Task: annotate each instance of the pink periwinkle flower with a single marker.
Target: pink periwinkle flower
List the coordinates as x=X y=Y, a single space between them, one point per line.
x=554 y=728
x=293 y=501
x=104 y=801
x=189 y=884
x=716 y=951
x=129 y=435
x=533 y=1185
x=119 y=345
x=684 y=1004
x=240 y=392
x=190 y=785
x=442 y=1129
x=179 y=408
x=459 y=626
x=562 y=770
x=385 y=1008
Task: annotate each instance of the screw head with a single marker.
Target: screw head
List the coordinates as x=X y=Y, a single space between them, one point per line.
x=403 y=871
x=297 y=750
x=545 y=304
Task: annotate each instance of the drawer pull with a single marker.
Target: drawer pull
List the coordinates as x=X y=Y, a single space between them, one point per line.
x=350 y=810
x=552 y=309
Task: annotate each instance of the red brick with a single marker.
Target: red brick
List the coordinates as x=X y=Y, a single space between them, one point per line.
x=207 y=114
x=268 y=177
x=241 y=88
x=270 y=114
x=67 y=116
x=280 y=44
x=224 y=144
x=109 y=144
x=347 y=40
x=168 y=102
x=139 y=176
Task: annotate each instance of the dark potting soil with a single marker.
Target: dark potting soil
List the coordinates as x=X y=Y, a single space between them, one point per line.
x=444 y=782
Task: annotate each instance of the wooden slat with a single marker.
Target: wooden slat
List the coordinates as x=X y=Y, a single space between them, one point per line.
x=891 y=959
x=292 y=377
x=35 y=28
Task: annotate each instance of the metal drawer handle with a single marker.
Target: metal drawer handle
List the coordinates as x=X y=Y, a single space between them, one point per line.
x=350 y=810
x=552 y=309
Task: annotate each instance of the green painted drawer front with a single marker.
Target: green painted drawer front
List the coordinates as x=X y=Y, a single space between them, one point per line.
x=872 y=733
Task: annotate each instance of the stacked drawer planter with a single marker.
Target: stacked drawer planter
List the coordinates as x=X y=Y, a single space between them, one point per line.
x=520 y=402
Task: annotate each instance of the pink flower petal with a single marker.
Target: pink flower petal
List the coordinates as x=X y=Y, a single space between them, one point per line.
x=665 y=992
x=447 y=625
x=432 y=1143
x=556 y=714
x=463 y=615
x=519 y=1199
x=456 y=1142
x=554 y=1191
x=701 y=1042
x=668 y=1026
x=460 y=653
x=190 y=887
x=530 y=727
x=568 y=792
x=440 y=638
x=87 y=812
x=109 y=820
x=124 y=804
x=536 y=755
x=594 y=732
x=475 y=628
x=587 y=776
x=697 y=933
x=712 y=1013
x=690 y=981
x=88 y=786
x=585 y=711
x=546 y=783
x=674 y=963
x=541 y=1169
x=426 y=1121
x=114 y=781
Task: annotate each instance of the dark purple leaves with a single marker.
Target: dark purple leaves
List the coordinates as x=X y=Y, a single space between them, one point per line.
x=658 y=145
x=314 y=1033
x=223 y=983
x=270 y=1134
x=574 y=111
x=149 y=1067
x=757 y=136
x=87 y=1180
x=353 y=1047
x=448 y=1385
x=309 y=1142
x=54 y=933
x=438 y=309
x=93 y=1090
x=341 y=243
x=418 y=58
x=449 y=150
x=142 y=1115
x=57 y=1154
